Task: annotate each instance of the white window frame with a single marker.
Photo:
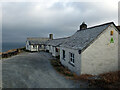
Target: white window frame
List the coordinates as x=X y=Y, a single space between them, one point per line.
x=72 y=57
x=34 y=46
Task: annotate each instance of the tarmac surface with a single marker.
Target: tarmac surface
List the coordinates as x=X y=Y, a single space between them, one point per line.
x=33 y=70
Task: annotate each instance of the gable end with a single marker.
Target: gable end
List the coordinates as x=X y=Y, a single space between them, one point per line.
x=99 y=35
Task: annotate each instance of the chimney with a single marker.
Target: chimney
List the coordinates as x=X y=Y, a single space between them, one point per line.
x=83 y=26
x=51 y=36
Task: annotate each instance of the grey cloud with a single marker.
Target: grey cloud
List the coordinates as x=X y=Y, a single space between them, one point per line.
x=62 y=19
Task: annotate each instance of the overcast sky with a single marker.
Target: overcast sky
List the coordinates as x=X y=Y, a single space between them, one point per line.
x=29 y=19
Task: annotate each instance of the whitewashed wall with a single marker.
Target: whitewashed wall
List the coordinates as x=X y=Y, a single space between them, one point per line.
x=77 y=65
x=119 y=53
x=46 y=47
x=43 y=47
x=101 y=56
x=54 y=53
x=34 y=49
x=28 y=47
x=50 y=49
x=58 y=53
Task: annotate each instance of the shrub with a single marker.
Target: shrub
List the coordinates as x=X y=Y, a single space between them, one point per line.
x=82 y=77
x=108 y=80
x=111 y=77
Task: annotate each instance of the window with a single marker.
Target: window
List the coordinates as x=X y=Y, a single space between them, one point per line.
x=40 y=46
x=56 y=49
x=49 y=47
x=72 y=58
x=34 y=46
x=63 y=54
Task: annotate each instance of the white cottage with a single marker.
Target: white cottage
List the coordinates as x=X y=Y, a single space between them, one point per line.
x=37 y=43
x=91 y=50
x=53 y=46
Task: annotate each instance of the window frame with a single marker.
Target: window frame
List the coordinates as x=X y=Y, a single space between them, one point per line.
x=56 y=49
x=72 y=58
x=34 y=46
x=63 y=54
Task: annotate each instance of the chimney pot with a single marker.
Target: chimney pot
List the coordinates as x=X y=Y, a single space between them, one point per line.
x=51 y=36
x=83 y=26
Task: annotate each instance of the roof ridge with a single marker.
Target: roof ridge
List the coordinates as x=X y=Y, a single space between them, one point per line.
x=80 y=39
x=99 y=25
x=37 y=37
x=61 y=38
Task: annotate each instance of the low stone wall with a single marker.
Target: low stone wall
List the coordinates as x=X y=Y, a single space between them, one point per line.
x=12 y=52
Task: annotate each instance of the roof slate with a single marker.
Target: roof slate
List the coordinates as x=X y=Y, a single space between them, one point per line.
x=82 y=38
x=37 y=40
x=57 y=42
x=118 y=28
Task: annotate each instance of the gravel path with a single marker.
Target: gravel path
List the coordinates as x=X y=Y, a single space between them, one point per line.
x=33 y=70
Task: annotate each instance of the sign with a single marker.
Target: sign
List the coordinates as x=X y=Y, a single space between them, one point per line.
x=111 y=41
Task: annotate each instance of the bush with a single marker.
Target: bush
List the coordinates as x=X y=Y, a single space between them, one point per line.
x=111 y=77
x=108 y=80
x=68 y=73
x=82 y=77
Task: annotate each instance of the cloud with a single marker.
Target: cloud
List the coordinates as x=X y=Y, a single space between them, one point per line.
x=26 y=19
x=0 y=24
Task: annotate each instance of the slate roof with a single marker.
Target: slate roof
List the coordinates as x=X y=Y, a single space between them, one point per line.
x=82 y=38
x=57 y=42
x=37 y=40
x=118 y=28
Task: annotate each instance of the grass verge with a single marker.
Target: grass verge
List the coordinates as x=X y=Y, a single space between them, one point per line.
x=60 y=68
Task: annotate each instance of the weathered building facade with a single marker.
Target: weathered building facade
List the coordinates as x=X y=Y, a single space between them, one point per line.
x=53 y=46
x=91 y=50
x=37 y=43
